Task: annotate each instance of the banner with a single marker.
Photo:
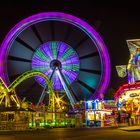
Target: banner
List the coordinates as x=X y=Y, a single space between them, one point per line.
x=121 y=70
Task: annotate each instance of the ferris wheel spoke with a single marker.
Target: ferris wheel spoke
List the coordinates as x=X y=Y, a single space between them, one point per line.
x=86 y=86
x=57 y=55
x=91 y=71
x=67 y=54
x=73 y=93
x=46 y=53
x=62 y=51
x=14 y=58
x=34 y=29
x=83 y=40
x=52 y=74
x=52 y=30
x=19 y=40
x=54 y=49
x=42 y=95
x=44 y=89
x=64 y=83
x=67 y=34
x=89 y=55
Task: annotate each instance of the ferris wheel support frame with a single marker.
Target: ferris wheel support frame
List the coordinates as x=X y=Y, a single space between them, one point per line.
x=64 y=83
x=43 y=92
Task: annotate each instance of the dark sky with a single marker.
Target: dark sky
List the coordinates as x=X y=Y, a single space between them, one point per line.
x=115 y=22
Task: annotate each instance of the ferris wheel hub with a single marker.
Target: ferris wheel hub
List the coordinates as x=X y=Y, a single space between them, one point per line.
x=54 y=55
x=55 y=64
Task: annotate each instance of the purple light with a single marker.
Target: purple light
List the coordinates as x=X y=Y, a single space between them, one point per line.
x=48 y=55
x=102 y=86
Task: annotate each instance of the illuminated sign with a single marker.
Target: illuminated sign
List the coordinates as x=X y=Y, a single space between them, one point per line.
x=133 y=95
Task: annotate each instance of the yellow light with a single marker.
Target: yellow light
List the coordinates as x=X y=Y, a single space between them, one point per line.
x=58 y=99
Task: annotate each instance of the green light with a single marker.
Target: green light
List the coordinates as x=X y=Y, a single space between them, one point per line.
x=68 y=54
x=42 y=124
x=40 y=68
x=54 y=49
x=41 y=55
x=30 y=124
x=63 y=123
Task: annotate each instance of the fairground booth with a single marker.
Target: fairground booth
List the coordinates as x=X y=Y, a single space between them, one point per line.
x=128 y=95
x=128 y=101
x=100 y=113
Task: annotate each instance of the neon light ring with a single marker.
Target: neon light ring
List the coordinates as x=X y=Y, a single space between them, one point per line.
x=55 y=40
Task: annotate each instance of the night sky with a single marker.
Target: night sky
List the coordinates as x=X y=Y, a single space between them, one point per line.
x=115 y=22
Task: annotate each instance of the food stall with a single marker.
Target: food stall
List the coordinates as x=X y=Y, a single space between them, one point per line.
x=99 y=113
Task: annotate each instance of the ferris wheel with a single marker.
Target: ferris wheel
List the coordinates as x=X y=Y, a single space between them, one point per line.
x=65 y=48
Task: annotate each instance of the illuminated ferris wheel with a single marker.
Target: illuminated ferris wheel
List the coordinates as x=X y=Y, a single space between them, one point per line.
x=65 y=48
